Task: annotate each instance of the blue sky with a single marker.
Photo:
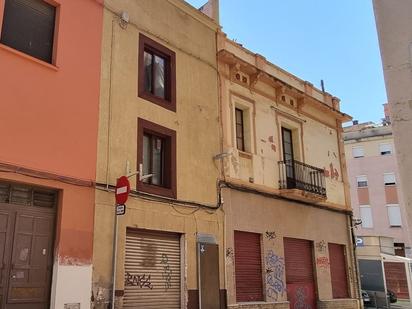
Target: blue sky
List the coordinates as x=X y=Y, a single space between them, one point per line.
x=315 y=39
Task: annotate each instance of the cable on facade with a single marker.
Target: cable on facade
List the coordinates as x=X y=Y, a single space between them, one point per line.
x=156 y=198
x=6 y=168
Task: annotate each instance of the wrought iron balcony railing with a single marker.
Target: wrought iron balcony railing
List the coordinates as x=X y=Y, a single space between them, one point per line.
x=297 y=175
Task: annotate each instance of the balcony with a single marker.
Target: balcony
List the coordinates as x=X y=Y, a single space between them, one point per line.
x=297 y=175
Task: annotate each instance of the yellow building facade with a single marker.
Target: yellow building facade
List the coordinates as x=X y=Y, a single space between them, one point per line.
x=158 y=117
x=288 y=240
x=238 y=188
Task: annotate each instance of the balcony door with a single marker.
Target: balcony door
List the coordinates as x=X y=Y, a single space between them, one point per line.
x=288 y=158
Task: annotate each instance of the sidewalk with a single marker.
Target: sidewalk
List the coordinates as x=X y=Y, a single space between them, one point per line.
x=401 y=304
x=397 y=305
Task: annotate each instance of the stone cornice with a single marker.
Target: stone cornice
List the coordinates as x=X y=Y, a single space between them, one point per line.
x=254 y=66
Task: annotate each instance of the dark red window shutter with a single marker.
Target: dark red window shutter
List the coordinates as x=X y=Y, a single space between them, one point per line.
x=298 y=260
x=300 y=281
x=396 y=279
x=338 y=271
x=28 y=26
x=248 y=267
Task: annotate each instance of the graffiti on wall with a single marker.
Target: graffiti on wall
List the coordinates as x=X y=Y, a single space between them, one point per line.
x=230 y=254
x=275 y=286
x=167 y=272
x=332 y=172
x=141 y=281
x=321 y=246
x=270 y=235
x=322 y=262
x=301 y=296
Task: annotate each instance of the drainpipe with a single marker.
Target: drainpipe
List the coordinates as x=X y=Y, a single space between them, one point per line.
x=352 y=237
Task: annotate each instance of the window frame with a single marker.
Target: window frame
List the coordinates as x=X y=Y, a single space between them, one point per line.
x=397 y=206
x=385 y=144
x=242 y=124
x=371 y=216
x=358 y=147
x=152 y=137
x=389 y=184
x=169 y=172
x=53 y=59
x=155 y=48
x=362 y=177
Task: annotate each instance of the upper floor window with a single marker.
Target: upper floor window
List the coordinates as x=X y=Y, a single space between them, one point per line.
x=287 y=143
x=362 y=181
x=157 y=154
x=242 y=124
x=394 y=215
x=28 y=26
x=358 y=152
x=385 y=149
x=157 y=73
x=366 y=216
x=389 y=179
x=240 y=130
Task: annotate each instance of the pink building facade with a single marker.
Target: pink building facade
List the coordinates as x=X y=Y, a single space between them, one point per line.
x=375 y=184
x=50 y=55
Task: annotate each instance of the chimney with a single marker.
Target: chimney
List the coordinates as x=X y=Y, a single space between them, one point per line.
x=211 y=9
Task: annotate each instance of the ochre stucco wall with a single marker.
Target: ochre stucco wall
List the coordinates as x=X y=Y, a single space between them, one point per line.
x=196 y=118
x=317 y=142
x=258 y=214
x=192 y=36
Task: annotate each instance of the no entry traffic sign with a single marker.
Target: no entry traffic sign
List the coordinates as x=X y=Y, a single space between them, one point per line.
x=122 y=190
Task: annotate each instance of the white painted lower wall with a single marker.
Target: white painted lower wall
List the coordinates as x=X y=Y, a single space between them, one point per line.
x=71 y=285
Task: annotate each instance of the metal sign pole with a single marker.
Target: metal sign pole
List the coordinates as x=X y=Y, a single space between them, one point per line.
x=114 y=257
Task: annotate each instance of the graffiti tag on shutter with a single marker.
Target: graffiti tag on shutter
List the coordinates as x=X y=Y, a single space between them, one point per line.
x=142 y=281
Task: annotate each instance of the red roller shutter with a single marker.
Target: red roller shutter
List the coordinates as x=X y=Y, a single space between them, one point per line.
x=338 y=271
x=248 y=267
x=396 y=281
x=300 y=282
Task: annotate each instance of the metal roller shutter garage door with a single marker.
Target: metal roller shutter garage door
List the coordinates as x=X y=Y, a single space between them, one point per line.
x=152 y=270
x=248 y=267
x=300 y=283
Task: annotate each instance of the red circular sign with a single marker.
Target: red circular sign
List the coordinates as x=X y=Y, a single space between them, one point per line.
x=122 y=190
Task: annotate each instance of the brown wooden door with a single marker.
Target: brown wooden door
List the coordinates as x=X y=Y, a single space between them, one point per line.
x=300 y=281
x=6 y=230
x=338 y=271
x=26 y=236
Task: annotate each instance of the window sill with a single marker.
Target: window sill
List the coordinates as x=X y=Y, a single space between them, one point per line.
x=158 y=101
x=395 y=226
x=246 y=155
x=28 y=57
x=156 y=190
